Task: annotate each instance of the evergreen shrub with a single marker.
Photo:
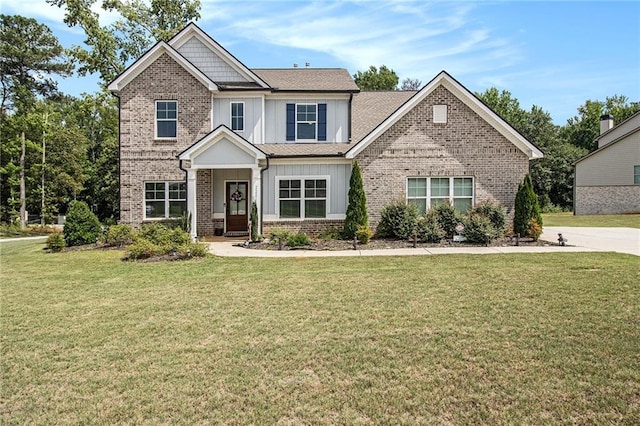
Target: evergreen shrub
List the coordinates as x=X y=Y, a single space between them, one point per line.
x=398 y=220
x=81 y=226
x=527 y=208
x=356 y=215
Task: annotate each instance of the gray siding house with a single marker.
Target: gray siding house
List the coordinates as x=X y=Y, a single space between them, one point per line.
x=202 y=133
x=607 y=181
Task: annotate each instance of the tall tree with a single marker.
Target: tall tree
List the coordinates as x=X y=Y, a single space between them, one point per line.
x=140 y=24
x=377 y=79
x=505 y=106
x=411 y=84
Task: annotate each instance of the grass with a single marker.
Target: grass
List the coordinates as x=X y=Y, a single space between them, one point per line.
x=606 y=221
x=457 y=339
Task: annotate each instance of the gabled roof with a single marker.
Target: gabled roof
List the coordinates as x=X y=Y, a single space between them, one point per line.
x=149 y=58
x=468 y=98
x=629 y=126
x=192 y=30
x=216 y=135
x=372 y=108
x=308 y=79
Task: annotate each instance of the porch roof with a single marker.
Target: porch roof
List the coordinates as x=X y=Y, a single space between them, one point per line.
x=275 y=150
x=222 y=147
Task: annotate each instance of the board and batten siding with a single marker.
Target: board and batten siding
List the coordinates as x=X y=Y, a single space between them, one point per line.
x=208 y=62
x=612 y=166
x=339 y=175
x=276 y=119
x=252 y=116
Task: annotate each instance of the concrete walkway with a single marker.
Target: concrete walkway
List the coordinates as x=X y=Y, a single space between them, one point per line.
x=621 y=240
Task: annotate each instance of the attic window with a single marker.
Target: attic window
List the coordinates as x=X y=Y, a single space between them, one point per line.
x=440 y=114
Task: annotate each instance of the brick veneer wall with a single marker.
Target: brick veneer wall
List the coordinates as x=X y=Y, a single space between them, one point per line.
x=465 y=146
x=312 y=227
x=607 y=199
x=141 y=157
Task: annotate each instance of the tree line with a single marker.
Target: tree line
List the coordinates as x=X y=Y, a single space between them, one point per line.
x=56 y=148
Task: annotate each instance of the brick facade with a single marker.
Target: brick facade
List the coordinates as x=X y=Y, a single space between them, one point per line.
x=607 y=199
x=465 y=146
x=311 y=227
x=142 y=158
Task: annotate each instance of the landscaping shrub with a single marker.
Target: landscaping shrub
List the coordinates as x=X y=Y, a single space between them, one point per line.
x=364 y=234
x=194 y=249
x=496 y=214
x=253 y=219
x=398 y=220
x=479 y=229
x=428 y=229
x=534 y=230
x=298 y=240
x=448 y=218
x=81 y=226
x=329 y=233
x=144 y=249
x=55 y=242
x=527 y=207
x=159 y=234
x=356 y=215
x=177 y=237
x=118 y=235
x=279 y=236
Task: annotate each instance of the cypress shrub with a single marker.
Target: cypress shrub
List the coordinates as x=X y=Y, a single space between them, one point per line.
x=527 y=208
x=357 y=209
x=81 y=226
x=253 y=218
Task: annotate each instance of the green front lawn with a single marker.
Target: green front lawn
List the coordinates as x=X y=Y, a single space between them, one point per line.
x=600 y=221
x=456 y=339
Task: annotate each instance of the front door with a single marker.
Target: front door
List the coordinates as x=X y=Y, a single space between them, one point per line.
x=237 y=215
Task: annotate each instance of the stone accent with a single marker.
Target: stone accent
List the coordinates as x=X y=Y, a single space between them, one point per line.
x=607 y=199
x=464 y=146
x=142 y=158
x=311 y=227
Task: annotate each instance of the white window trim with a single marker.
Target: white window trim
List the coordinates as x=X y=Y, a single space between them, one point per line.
x=451 y=196
x=231 y=116
x=302 y=198
x=155 y=121
x=315 y=123
x=166 y=199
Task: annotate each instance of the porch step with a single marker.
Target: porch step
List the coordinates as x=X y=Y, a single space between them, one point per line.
x=236 y=234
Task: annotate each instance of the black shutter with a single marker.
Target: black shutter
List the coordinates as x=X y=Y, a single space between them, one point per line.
x=291 y=122
x=322 y=122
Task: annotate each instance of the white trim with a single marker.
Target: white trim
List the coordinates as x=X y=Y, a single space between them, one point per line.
x=215 y=136
x=303 y=160
x=166 y=199
x=302 y=96
x=192 y=30
x=231 y=115
x=149 y=58
x=155 y=121
x=275 y=218
x=463 y=94
x=222 y=166
x=302 y=179
x=315 y=123
x=451 y=197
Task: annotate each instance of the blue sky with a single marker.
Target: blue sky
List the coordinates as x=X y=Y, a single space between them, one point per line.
x=552 y=54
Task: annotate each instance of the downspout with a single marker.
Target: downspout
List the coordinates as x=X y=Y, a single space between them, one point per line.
x=262 y=194
x=186 y=182
x=349 y=118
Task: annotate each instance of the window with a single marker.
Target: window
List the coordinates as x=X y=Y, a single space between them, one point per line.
x=302 y=198
x=306 y=120
x=237 y=116
x=166 y=119
x=426 y=193
x=636 y=175
x=163 y=200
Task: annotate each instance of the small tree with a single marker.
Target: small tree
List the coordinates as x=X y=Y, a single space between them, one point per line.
x=81 y=226
x=527 y=207
x=357 y=209
x=253 y=218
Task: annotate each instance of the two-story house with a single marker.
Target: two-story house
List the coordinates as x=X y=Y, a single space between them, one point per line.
x=202 y=133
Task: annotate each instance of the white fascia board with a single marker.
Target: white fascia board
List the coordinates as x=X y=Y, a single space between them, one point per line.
x=309 y=160
x=307 y=95
x=217 y=135
x=193 y=30
x=149 y=58
x=468 y=99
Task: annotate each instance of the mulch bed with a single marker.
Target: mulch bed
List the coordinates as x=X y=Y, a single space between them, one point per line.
x=380 y=243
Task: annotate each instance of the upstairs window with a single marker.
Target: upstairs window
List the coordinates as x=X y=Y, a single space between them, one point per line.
x=237 y=116
x=636 y=175
x=307 y=122
x=166 y=119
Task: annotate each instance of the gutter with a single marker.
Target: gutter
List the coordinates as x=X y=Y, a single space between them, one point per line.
x=262 y=193
x=349 y=118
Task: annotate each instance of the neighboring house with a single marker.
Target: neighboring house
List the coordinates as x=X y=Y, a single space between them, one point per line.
x=201 y=132
x=607 y=181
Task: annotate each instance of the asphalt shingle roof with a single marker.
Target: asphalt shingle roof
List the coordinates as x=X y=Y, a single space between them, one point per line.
x=369 y=109
x=305 y=149
x=308 y=79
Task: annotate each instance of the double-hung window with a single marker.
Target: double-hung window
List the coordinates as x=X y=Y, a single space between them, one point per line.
x=636 y=175
x=306 y=121
x=426 y=193
x=302 y=198
x=237 y=116
x=164 y=200
x=166 y=119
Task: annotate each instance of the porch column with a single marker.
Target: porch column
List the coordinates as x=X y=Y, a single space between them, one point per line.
x=256 y=192
x=191 y=201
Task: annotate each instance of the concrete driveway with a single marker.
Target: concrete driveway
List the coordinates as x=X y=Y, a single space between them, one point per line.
x=621 y=240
